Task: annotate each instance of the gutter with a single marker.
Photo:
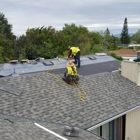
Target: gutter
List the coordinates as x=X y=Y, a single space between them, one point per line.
x=111 y=119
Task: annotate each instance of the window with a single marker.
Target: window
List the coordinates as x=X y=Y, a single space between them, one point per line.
x=114 y=130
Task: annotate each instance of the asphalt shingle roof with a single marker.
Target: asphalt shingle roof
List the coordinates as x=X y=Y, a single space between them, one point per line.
x=25 y=130
x=47 y=99
x=40 y=97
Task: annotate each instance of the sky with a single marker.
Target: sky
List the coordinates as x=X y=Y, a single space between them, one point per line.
x=96 y=15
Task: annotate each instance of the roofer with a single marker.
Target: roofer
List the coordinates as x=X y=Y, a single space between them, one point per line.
x=74 y=52
x=71 y=74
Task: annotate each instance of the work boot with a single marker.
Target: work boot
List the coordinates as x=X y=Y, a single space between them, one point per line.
x=76 y=82
x=63 y=78
x=70 y=83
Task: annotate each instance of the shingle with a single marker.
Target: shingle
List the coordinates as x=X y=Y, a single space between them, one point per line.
x=22 y=130
x=47 y=99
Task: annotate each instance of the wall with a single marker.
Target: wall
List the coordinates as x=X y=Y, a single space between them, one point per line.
x=133 y=125
x=131 y=70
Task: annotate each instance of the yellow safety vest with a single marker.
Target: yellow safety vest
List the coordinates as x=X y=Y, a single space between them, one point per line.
x=74 y=50
x=71 y=72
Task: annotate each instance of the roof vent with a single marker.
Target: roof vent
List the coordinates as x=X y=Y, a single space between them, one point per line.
x=39 y=59
x=47 y=63
x=138 y=55
x=13 y=61
x=71 y=131
x=100 y=54
x=92 y=57
x=25 y=61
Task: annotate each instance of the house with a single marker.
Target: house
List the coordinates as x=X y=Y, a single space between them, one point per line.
x=127 y=54
x=103 y=106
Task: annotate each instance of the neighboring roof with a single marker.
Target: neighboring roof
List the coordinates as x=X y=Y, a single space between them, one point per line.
x=23 y=130
x=9 y=69
x=126 y=52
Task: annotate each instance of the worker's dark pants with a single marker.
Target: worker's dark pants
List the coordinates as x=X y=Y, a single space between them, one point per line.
x=77 y=59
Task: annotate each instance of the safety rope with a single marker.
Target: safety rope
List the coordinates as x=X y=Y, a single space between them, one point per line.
x=81 y=90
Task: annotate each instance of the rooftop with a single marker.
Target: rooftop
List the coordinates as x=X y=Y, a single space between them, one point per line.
x=102 y=94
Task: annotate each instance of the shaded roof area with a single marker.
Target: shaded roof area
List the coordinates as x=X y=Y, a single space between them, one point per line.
x=94 y=68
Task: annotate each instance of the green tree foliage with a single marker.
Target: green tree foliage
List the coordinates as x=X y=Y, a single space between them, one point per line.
x=136 y=37
x=41 y=42
x=117 y=40
x=107 y=32
x=6 y=28
x=95 y=38
x=108 y=41
x=49 y=43
x=7 y=40
x=74 y=35
x=125 y=38
x=116 y=56
x=6 y=52
x=19 y=47
x=81 y=37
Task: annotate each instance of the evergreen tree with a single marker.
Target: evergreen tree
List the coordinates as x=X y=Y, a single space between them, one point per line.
x=125 y=38
x=7 y=40
x=107 y=32
x=136 y=37
x=6 y=28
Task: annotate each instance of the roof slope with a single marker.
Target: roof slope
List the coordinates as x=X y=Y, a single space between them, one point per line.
x=47 y=99
x=25 y=130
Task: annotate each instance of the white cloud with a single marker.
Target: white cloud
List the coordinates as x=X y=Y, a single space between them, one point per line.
x=93 y=14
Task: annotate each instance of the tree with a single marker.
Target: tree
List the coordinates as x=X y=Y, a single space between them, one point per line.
x=72 y=34
x=7 y=40
x=43 y=42
x=6 y=53
x=125 y=38
x=6 y=28
x=136 y=37
x=107 y=32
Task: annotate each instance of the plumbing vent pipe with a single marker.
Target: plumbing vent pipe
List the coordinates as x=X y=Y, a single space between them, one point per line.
x=138 y=55
x=71 y=131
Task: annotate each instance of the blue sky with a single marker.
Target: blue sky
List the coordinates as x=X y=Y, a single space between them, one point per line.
x=96 y=15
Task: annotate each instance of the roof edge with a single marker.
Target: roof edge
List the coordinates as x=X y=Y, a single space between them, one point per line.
x=113 y=118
